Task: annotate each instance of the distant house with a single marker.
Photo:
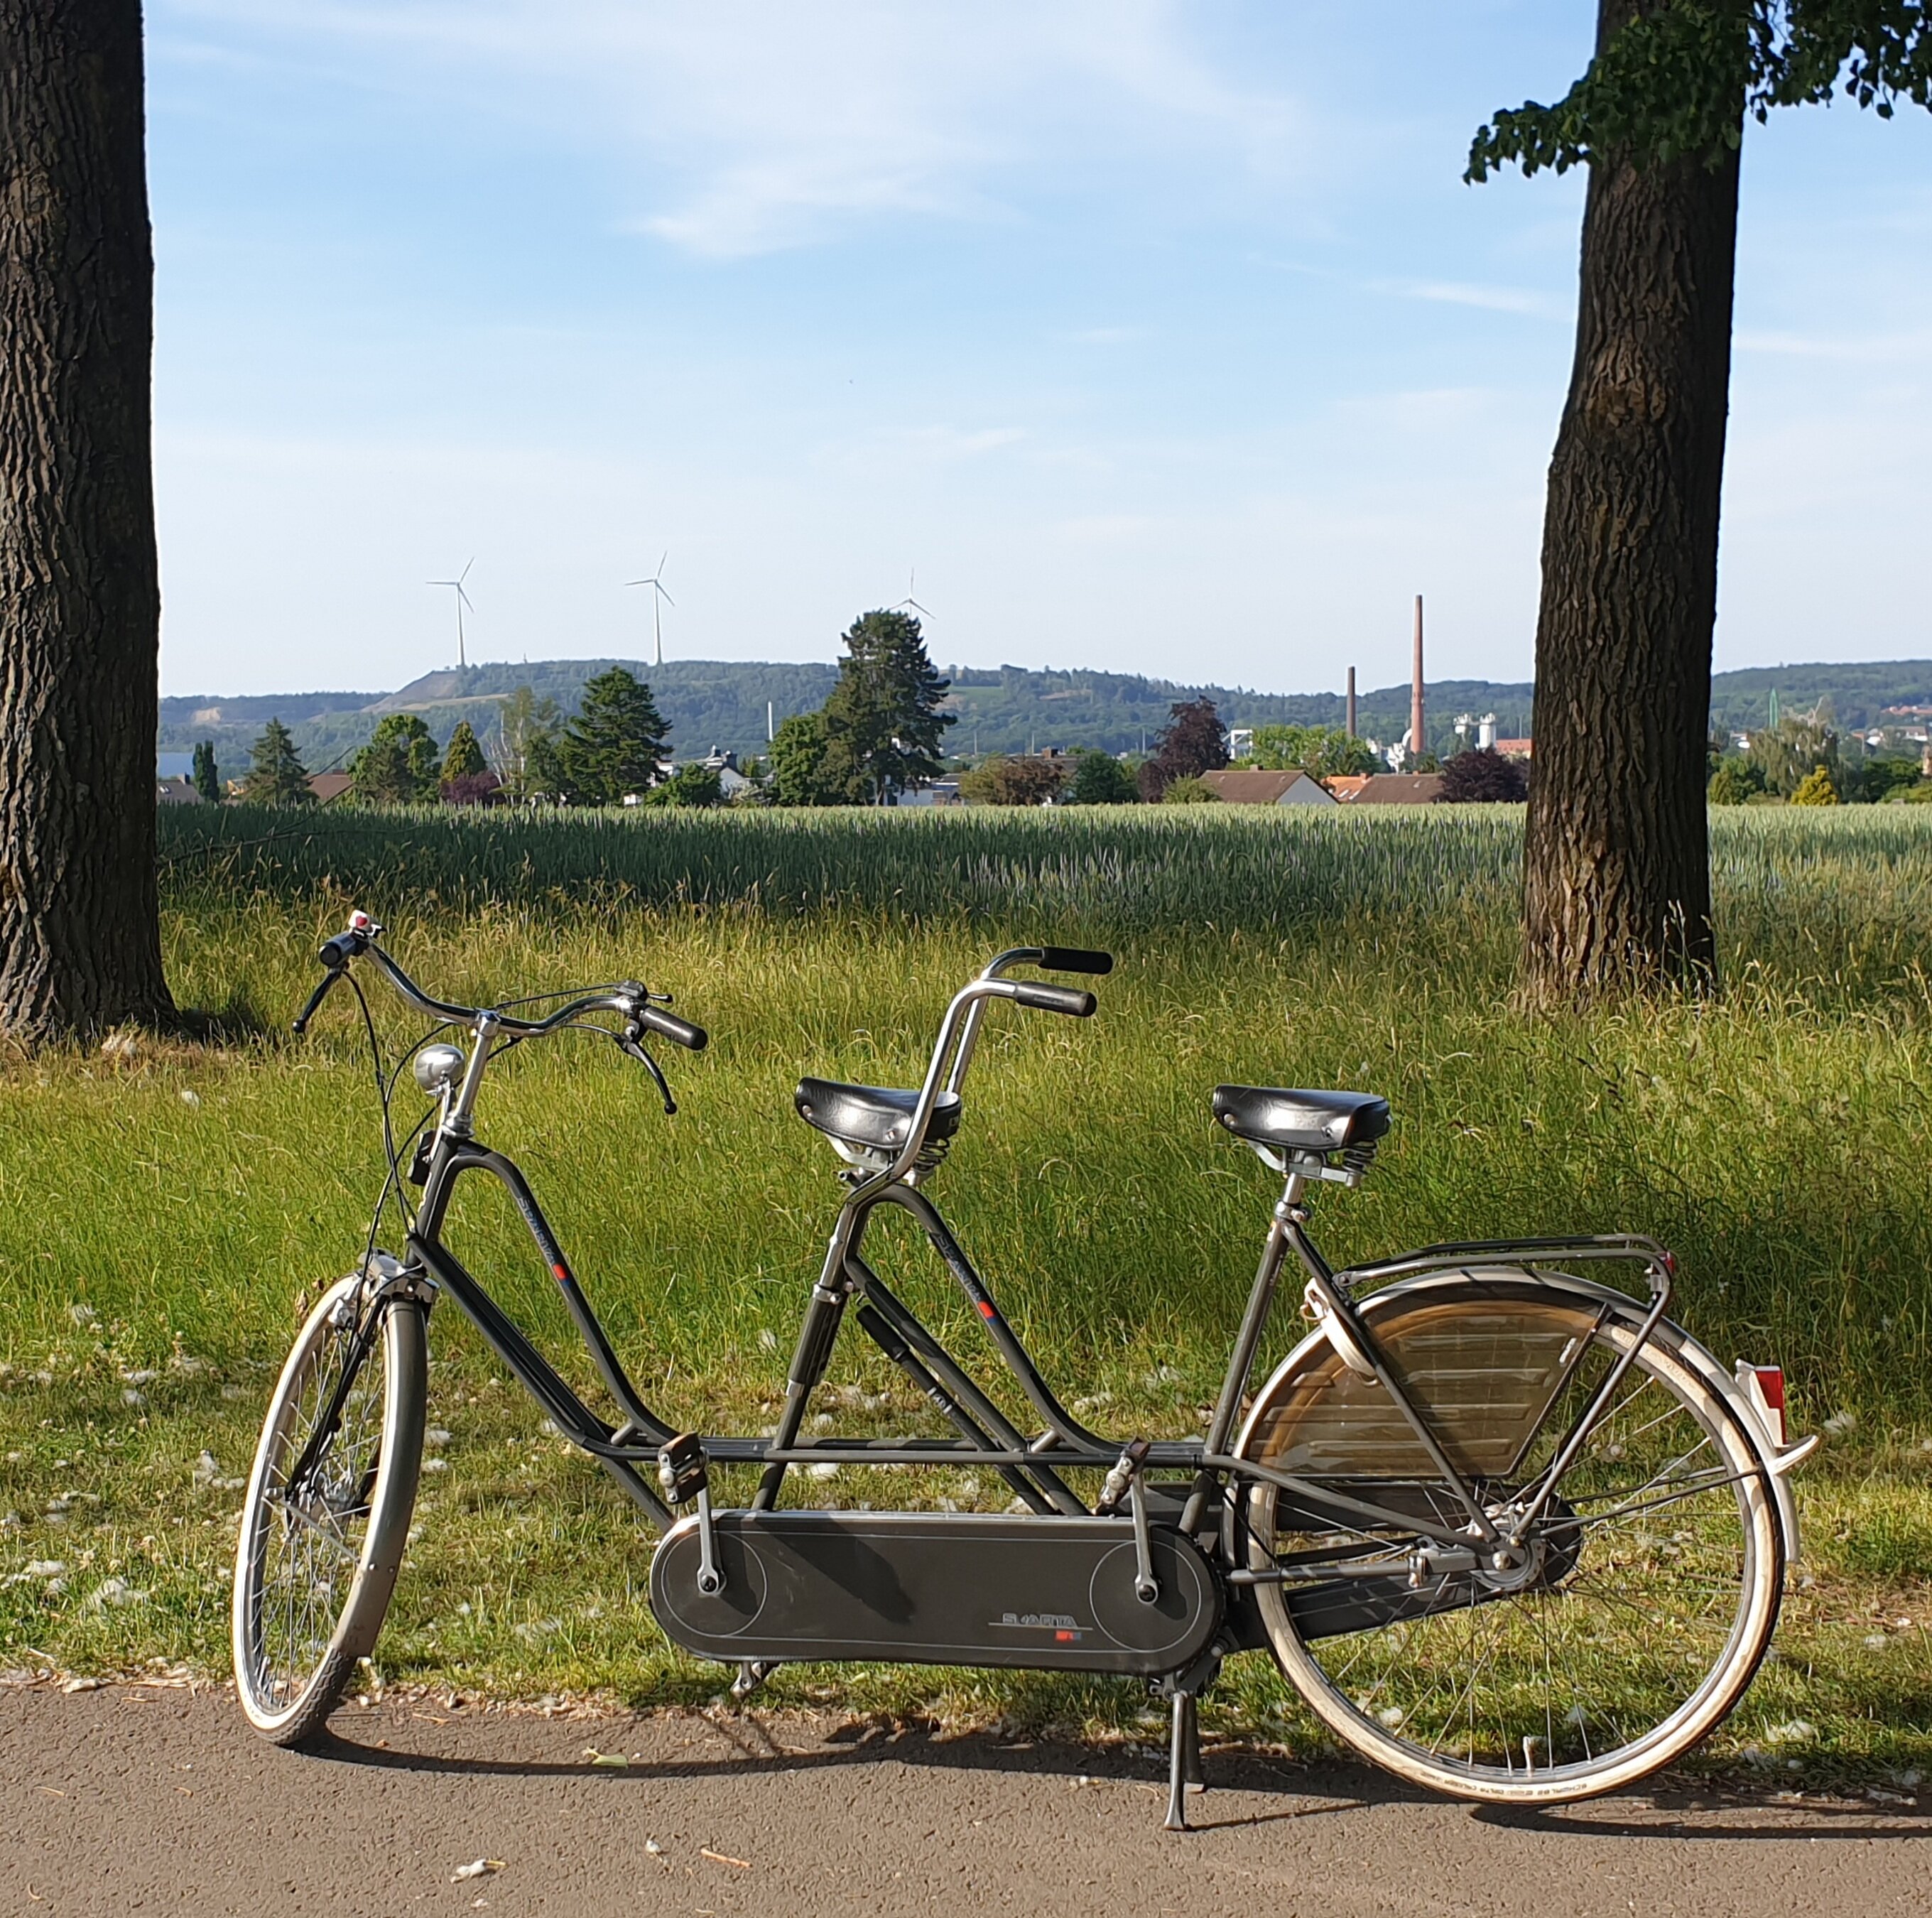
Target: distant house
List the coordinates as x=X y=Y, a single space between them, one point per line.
x=328 y=787
x=1387 y=788
x=935 y=792
x=1292 y=787
x=1513 y=748
x=171 y=791
x=730 y=781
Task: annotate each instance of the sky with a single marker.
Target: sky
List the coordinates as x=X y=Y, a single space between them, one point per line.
x=1154 y=337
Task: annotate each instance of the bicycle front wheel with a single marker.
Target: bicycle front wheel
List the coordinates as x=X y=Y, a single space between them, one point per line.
x=1649 y=1589
x=327 y=1509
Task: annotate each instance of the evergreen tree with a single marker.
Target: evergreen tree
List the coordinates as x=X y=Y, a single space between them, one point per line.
x=399 y=766
x=613 y=745
x=882 y=725
x=799 y=776
x=206 y=777
x=1100 y=780
x=276 y=775
x=463 y=758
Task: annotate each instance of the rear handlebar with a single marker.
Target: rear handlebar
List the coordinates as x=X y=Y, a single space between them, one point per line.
x=1073 y=959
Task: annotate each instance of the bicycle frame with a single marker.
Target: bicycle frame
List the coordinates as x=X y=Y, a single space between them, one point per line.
x=1034 y=1467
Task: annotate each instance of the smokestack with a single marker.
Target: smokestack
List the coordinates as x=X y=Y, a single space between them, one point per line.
x=1351 y=702
x=1417 y=736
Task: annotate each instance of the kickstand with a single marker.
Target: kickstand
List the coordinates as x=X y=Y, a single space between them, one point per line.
x=1183 y=1761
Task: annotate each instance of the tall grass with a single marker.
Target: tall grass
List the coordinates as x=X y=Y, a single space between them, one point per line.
x=161 y=1212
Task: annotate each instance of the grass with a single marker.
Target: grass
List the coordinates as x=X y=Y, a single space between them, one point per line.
x=164 y=1210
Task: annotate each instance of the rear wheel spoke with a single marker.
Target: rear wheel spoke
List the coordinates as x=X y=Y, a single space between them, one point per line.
x=1651 y=1598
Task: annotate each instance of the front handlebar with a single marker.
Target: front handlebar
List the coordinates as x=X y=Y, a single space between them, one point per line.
x=628 y=998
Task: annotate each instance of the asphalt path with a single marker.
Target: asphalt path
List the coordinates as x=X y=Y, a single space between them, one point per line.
x=139 y=1799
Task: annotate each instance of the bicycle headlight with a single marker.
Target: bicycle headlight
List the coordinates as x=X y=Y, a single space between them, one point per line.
x=438 y=1065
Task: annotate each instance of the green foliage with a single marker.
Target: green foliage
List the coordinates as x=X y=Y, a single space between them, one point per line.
x=1787 y=753
x=882 y=725
x=1188 y=789
x=1323 y=752
x=846 y=935
x=399 y=766
x=689 y=785
x=1676 y=80
x=463 y=759
x=613 y=745
x=527 y=723
x=276 y=777
x=1013 y=779
x=1874 y=780
x=1736 y=781
x=1100 y=779
x=799 y=775
x=1816 y=789
x=206 y=776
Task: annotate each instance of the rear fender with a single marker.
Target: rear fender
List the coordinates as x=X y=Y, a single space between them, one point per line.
x=1777 y=1463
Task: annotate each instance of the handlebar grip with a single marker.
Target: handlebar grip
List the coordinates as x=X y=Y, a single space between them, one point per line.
x=1074 y=958
x=678 y=1031
x=1067 y=999
x=335 y=954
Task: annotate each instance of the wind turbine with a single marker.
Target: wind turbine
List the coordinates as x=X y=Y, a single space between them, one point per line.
x=912 y=579
x=659 y=596
x=462 y=599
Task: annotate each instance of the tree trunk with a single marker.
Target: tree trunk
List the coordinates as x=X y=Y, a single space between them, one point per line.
x=79 y=596
x=1616 y=866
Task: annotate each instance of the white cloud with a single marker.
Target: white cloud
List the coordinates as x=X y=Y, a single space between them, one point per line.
x=1490 y=299
x=762 y=126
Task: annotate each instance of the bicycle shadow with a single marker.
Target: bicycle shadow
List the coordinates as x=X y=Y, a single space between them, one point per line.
x=1238 y=1775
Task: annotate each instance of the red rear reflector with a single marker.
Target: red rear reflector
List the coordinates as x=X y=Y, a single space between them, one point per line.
x=558 y=1269
x=1765 y=1386
x=986 y=1308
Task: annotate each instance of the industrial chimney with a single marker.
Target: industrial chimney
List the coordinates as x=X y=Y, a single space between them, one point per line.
x=1418 y=739
x=1351 y=702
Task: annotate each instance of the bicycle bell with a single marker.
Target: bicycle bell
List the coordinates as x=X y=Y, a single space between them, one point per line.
x=439 y=1066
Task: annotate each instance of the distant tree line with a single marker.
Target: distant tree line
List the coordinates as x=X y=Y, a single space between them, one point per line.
x=1803 y=760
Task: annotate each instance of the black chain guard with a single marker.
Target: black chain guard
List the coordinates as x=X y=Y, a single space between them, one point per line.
x=1048 y=1593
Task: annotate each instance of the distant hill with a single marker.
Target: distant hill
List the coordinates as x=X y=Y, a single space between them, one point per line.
x=1003 y=709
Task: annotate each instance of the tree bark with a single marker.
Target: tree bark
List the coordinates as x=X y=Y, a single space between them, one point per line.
x=1616 y=868
x=80 y=594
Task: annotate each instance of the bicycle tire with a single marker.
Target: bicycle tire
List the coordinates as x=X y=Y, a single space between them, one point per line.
x=1645 y=1641
x=297 y=1634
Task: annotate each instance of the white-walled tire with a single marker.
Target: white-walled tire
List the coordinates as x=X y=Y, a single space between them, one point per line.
x=316 y=1561
x=1663 y=1557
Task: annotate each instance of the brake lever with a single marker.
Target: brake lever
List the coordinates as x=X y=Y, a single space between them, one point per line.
x=315 y=999
x=627 y=1042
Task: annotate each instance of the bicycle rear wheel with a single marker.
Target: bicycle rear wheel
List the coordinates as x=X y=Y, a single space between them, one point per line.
x=1652 y=1586
x=327 y=1509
